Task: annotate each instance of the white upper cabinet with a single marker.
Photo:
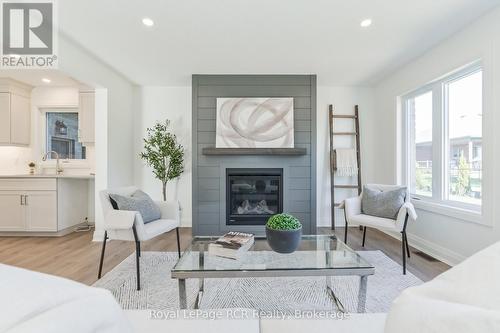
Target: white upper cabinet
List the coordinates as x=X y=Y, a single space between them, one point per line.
x=86 y=115
x=4 y=117
x=20 y=120
x=15 y=113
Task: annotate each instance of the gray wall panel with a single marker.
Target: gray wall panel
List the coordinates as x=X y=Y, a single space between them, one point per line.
x=208 y=195
x=206 y=137
x=302 y=206
x=299 y=184
x=211 y=102
x=296 y=195
x=207 y=113
x=299 y=114
x=300 y=172
x=302 y=125
x=208 y=184
x=208 y=207
x=206 y=125
x=250 y=80
x=254 y=91
x=209 y=171
x=208 y=218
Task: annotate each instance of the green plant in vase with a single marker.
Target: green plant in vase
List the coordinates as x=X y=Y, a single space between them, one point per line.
x=32 y=167
x=283 y=232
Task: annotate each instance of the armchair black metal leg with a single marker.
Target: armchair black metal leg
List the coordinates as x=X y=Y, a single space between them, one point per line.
x=407 y=246
x=403 y=248
x=178 y=242
x=364 y=236
x=102 y=254
x=137 y=255
x=404 y=244
x=346 y=226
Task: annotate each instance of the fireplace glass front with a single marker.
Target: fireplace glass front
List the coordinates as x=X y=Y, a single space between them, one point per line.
x=253 y=195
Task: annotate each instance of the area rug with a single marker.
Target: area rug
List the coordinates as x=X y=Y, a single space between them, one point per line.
x=160 y=292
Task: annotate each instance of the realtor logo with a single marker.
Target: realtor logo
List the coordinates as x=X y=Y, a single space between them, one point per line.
x=28 y=32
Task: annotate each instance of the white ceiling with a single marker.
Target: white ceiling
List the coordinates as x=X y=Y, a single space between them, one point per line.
x=263 y=36
x=34 y=77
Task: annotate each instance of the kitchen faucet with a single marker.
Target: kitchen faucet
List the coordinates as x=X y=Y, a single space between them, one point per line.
x=59 y=170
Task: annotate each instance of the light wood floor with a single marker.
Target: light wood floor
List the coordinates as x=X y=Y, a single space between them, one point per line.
x=76 y=257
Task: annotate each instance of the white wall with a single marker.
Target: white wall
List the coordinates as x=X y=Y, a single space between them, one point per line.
x=343 y=99
x=174 y=103
x=113 y=121
x=157 y=104
x=448 y=238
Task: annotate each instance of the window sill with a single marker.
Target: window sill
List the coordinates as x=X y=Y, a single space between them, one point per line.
x=66 y=164
x=468 y=215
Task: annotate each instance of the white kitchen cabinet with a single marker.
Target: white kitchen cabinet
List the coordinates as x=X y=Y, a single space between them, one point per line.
x=43 y=205
x=20 y=120
x=41 y=210
x=15 y=113
x=12 y=211
x=86 y=117
x=4 y=117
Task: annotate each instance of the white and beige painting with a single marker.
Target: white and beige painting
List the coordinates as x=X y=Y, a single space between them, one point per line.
x=254 y=123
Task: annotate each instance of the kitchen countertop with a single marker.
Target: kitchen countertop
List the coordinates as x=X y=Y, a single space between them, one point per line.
x=63 y=176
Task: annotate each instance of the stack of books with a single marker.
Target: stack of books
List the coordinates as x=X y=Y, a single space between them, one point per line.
x=232 y=245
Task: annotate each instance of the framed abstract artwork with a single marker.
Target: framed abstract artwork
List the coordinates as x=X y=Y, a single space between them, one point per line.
x=254 y=123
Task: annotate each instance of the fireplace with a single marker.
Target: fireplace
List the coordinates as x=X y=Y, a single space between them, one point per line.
x=253 y=195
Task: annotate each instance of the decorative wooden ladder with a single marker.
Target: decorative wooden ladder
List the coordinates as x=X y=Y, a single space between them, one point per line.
x=333 y=157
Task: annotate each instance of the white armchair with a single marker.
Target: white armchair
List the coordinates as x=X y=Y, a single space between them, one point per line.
x=354 y=215
x=129 y=226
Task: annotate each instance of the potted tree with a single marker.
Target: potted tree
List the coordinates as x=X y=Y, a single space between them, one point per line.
x=283 y=232
x=163 y=153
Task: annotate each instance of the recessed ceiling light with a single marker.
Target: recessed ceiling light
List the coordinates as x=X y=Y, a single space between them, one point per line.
x=366 y=23
x=45 y=80
x=148 y=22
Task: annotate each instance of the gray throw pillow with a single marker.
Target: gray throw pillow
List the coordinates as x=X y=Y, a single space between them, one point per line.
x=139 y=201
x=384 y=204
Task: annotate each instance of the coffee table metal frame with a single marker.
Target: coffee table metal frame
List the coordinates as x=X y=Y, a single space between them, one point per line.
x=328 y=273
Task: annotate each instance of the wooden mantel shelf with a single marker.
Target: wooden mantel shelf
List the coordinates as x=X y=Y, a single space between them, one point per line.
x=254 y=151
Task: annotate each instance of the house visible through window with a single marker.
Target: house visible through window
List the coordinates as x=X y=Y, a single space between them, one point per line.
x=62 y=135
x=464 y=101
x=444 y=139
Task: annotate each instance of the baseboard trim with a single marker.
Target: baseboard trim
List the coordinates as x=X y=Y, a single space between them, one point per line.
x=437 y=251
x=186 y=223
x=98 y=236
x=59 y=233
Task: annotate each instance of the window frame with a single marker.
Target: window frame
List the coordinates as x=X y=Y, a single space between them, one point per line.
x=68 y=163
x=439 y=201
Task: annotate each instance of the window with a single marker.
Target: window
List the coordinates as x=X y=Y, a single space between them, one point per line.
x=464 y=139
x=420 y=112
x=444 y=139
x=62 y=135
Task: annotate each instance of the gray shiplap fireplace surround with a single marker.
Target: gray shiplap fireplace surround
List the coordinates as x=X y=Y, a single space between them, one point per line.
x=209 y=167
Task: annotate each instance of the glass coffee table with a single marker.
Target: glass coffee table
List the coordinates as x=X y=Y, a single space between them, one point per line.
x=317 y=255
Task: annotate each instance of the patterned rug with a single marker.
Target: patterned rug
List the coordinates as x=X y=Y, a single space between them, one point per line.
x=160 y=292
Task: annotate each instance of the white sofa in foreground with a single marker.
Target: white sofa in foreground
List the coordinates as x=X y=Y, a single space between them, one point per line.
x=463 y=299
x=354 y=323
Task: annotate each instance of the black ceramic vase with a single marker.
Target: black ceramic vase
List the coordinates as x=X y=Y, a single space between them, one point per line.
x=283 y=241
